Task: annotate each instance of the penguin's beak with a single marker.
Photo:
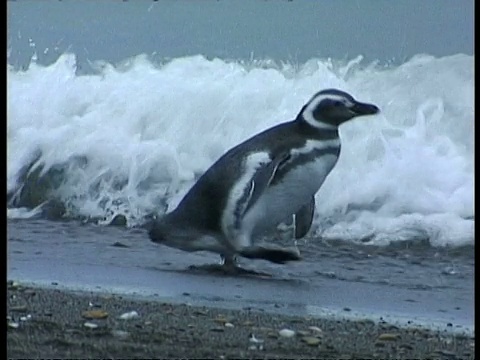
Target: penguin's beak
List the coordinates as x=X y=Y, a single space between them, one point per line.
x=360 y=109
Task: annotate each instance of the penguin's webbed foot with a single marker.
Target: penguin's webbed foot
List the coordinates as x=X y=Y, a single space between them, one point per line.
x=272 y=254
x=227 y=269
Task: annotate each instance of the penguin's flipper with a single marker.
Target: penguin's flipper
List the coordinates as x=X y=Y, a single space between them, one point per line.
x=262 y=179
x=273 y=254
x=304 y=218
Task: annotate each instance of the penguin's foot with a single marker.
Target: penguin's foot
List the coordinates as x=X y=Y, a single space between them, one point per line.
x=273 y=254
x=227 y=269
x=238 y=270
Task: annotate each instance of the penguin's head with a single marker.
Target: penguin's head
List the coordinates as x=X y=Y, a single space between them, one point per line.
x=330 y=108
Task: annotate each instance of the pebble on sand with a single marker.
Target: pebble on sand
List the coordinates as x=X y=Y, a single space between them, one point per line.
x=95 y=314
x=254 y=340
x=388 y=337
x=303 y=333
x=255 y=344
x=90 y=325
x=286 y=333
x=13 y=324
x=221 y=319
x=128 y=315
x=315 y=329
x=256 y=347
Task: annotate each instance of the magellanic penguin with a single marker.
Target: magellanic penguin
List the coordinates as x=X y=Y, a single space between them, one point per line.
x=259 y=183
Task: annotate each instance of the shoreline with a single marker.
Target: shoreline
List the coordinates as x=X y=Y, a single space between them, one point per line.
x=48 y=322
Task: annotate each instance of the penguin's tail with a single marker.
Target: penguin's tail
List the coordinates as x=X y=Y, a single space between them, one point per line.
x=275 y=255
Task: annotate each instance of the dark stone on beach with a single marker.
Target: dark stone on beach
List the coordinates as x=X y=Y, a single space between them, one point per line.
x=406 y=346
x=311 y=340
x=217 y=329
x=200 y=312
x=95 y=314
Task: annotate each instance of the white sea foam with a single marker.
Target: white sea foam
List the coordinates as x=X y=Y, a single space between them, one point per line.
x=23 y=213
x=148 y=130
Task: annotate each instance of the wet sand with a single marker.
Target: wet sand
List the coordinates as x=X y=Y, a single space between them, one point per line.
x=47 y=322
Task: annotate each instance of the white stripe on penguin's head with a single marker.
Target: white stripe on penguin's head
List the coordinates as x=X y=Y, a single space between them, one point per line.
x=316 y=101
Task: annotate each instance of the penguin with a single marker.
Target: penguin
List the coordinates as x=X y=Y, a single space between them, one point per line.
x=260 y=182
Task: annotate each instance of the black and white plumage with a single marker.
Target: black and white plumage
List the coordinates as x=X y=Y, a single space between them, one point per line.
x=259 y=183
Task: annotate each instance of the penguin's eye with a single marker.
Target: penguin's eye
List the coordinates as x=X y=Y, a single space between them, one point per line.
x=337 y=104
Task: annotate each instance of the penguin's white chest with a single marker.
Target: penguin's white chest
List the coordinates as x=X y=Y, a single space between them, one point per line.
x=289 y=195
x=286 y=194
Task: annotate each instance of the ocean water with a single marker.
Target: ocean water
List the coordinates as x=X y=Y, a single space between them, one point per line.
x=130 y=139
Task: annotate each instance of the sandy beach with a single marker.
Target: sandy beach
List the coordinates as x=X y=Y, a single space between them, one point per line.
x=46 y=322
x=66 y=302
